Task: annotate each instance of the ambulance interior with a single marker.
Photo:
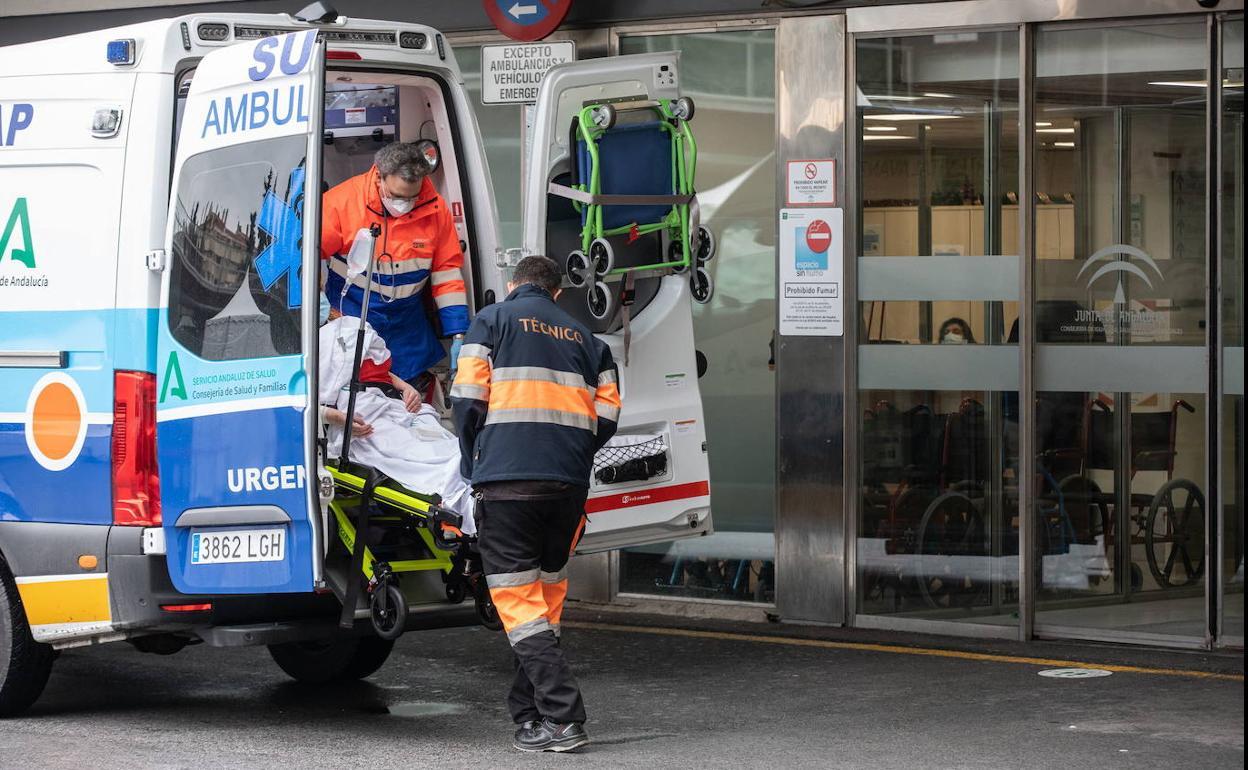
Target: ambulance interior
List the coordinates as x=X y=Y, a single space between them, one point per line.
x=366 y=111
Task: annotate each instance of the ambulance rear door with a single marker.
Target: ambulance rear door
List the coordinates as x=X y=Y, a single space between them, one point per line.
x=236 y=410
x=664 y=494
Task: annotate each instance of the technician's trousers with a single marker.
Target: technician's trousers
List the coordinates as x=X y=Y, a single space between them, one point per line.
x=525 y=545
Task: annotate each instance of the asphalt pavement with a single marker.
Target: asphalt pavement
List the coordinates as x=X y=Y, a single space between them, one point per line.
x=721 y=696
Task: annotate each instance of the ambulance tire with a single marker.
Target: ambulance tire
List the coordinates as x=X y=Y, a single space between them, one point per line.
x=24 y=663
x=329 y=661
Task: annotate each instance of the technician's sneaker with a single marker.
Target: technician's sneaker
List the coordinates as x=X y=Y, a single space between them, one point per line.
x=547 y=735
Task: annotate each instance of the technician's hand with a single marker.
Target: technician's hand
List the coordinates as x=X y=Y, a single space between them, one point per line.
x=411 y=396
x=457 y=343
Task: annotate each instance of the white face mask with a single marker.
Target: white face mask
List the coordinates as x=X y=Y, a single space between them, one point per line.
x=398 y=206
x=953 y=338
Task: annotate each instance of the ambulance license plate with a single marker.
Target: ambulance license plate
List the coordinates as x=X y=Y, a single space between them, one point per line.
x=234 y=546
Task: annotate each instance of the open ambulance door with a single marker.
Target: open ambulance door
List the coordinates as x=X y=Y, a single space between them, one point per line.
x=236 y=349
x=666 y=494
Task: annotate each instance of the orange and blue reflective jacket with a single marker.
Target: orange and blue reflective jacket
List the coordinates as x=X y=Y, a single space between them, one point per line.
x=416 y=251
x=536 y=394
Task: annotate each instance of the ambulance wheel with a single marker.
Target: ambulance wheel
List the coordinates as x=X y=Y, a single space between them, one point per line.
x=704 y=245
x=682 y=109
x=24 y=663
x=340 y=659
x=604 y=116
x=702 y=286
x=603 y=256
x=388 y=610
x=600 y=300
x=675 y=256
x=578 y=268
x=486 y=611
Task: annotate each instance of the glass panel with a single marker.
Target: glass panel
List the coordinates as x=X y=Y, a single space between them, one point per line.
x=729 y=76
x=1232 y=191
x=938 y=358
x=1120 y=328
x=238 y=221
x=501 y=126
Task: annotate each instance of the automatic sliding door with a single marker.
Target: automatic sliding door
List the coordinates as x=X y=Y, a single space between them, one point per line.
x=938 y=362
x=1120 y=332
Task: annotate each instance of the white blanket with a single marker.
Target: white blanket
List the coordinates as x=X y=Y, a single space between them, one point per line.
x=413 y=449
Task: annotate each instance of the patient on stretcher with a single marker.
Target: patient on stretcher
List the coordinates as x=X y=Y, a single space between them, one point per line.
x=392 y=430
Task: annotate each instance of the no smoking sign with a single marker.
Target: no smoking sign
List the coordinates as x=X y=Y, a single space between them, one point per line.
x=818 y=236
x=811 y=182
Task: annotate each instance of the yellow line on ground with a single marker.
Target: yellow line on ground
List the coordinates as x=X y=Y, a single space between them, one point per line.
x=899 y=650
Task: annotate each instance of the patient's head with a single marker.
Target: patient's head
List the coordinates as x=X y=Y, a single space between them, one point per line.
x=539 y=271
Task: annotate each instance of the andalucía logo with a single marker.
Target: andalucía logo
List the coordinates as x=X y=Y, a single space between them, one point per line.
x=17 y=222
x=1120 y=267
x=173 y=375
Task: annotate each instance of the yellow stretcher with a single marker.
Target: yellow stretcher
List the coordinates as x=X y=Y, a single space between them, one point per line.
x=405 y=532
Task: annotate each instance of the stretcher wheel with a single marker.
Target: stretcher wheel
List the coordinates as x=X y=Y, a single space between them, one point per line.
x=676 y=256
x=486 y=611
x=600 y=300
x=1174 y=535
x=603 y=256
x=704 y=245
x=702 y=285
x=578 y=268
x=682 y=109
x=388 y=610
x=604 y=116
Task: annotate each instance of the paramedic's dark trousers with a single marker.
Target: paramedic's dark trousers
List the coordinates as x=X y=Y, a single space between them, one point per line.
x=525 y=545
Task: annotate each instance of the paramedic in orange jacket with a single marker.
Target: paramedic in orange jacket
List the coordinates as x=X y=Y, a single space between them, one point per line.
x=418 y=253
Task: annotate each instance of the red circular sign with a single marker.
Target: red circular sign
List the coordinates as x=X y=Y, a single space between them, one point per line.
x=526 y=20
x=811 y=171
x=818 y=236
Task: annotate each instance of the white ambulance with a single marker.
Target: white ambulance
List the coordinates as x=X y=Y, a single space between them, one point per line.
x=159 y=221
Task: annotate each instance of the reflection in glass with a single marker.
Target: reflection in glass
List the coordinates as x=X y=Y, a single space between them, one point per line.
x=236 y=257
x=730 y=77
x=938 y=290
x=1119 y=322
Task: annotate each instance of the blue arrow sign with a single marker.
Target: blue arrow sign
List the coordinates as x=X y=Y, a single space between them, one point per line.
x=523 y=11
x=283 y=256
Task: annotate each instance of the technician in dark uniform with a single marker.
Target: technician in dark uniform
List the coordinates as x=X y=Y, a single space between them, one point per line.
x=536 y=395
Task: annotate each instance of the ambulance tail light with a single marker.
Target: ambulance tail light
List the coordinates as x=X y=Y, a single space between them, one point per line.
x=136 y=478
x=344 y=55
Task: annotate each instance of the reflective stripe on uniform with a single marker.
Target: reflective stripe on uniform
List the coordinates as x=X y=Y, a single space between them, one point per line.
x=387 y=291
x=606 y=411
x=475 y=350
x=542 y=374
x=450 y=299
x=554 y=577
x=475 y=392
x=525 y=630
x=443 y=276
x=609 y=376
x=547 y=416
x=522 y=578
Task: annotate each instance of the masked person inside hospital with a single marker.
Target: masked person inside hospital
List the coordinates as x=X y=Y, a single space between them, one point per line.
x=419 y=260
